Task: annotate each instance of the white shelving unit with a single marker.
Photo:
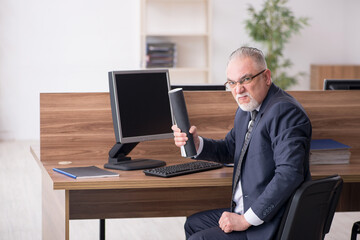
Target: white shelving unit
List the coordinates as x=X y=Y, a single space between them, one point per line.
x=187 y=24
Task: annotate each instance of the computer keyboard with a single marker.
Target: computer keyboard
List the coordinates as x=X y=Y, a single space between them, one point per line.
x=181 y=169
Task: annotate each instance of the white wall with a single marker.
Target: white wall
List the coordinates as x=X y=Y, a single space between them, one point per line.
x=60 y=46
x=228 y=33
x=70 y=45
x=352 y=33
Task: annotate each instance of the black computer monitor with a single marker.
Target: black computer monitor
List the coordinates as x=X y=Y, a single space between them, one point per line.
x=141 y=111
x=342 y=84
x=200 y=87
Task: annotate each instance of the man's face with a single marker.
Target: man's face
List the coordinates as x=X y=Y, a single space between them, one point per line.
x=248 y=95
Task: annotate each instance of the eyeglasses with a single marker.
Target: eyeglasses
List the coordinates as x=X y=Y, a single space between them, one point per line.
x=245 y=80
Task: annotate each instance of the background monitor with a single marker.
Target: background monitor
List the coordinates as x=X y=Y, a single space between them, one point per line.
x=342 y=84
x=141 y=111
x=200 y=87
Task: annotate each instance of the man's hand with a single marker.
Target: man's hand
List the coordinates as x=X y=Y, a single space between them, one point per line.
x=233 y=222
x=180 y=138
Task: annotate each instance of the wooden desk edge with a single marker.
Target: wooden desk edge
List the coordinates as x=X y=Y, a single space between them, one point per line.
x=346 y=178
x=35 y=152
x=161 y=183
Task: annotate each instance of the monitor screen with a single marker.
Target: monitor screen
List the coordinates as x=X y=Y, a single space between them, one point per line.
x=140 y=105
x=342 y=84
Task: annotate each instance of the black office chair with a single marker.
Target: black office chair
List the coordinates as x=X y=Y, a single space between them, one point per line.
x=355 y=230
x=311 y=210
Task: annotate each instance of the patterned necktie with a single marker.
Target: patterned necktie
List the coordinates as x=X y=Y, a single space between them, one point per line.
x=243 y=151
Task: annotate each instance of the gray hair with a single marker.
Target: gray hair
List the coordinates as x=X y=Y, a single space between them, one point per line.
x=253 y=53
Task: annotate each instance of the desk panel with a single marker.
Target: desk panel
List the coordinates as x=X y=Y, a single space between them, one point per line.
x=155 y=202
x=78 y=126
x=320 y=72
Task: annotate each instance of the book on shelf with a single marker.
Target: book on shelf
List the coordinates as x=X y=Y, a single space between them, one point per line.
x=85 y=172
x=160 y=55
x=329 y=151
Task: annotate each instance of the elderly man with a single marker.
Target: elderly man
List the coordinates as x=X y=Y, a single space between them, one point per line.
x=269 y=146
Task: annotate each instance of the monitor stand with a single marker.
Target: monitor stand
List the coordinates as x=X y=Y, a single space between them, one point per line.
x=119 y=160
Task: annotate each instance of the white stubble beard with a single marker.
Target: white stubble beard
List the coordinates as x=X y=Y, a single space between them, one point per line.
x=250 y=106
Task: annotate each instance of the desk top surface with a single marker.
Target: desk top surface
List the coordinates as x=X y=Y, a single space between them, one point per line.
x=133 y=179
x=137 y=179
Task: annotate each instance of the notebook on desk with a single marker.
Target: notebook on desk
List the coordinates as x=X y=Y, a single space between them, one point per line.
x=85 y=172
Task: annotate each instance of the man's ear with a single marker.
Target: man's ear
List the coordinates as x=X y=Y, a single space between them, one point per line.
x=268 y=77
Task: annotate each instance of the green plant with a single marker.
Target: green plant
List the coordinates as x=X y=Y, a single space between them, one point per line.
x=273 y=26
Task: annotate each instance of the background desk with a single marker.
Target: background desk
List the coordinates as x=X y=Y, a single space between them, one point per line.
x=77 y=127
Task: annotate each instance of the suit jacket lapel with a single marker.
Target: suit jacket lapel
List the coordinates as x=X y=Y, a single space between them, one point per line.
x=273 y=89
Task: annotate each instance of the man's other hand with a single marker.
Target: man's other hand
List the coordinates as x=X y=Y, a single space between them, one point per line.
x=233 y=222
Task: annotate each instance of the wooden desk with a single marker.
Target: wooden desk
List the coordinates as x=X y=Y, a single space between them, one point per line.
x=131 y=195
x=77 y=127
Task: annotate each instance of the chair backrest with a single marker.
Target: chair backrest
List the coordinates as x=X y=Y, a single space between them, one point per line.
x=311 y=210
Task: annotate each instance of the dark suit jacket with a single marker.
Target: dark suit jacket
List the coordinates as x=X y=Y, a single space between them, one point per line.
x=277 y=158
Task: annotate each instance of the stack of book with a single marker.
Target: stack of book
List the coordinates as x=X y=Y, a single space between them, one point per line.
x=328 y=151
x=160 y=55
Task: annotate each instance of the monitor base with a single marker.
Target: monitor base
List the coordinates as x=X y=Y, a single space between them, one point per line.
x=136 y=164
x=119 y=160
